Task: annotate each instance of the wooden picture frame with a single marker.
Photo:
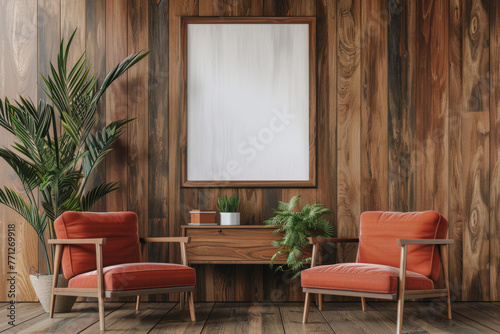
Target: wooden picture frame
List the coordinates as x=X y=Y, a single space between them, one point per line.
x=305 y=173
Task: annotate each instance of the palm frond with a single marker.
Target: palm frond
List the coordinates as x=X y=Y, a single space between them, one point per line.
x=97 y=193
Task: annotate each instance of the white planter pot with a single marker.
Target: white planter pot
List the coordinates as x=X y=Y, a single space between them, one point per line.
x=230 y=218
x=42 y=284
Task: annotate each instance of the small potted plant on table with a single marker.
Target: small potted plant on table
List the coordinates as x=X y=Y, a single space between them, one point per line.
x=228 y=209
x=296 y=227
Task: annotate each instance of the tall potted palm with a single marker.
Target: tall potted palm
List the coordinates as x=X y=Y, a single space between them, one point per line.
x=55 y=166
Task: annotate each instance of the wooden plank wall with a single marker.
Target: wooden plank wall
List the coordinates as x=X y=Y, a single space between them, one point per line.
x=408 y=109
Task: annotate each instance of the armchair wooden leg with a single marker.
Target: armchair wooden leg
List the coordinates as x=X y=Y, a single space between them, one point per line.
x=191 y=305
x=444 y=257
x=57 y=265
x=100 y=301
x=401 y=294
x=363 y=303
x=320 y=301
x=138 y=303
x=306 y=307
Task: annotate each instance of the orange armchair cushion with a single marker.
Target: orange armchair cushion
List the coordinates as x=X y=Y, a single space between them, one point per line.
x=135 y=276
x=119 y=229
x=362 y=277
x=379 y=231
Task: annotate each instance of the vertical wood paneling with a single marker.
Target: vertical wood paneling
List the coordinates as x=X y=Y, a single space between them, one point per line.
x=475 y=150
x=401 y=110
x=18 y=76
x=158 y=165
x=348 y=123
x=49 y=38
x=73 y=17
x=116 y=101
x=158 y=110
x=456 y=214
x=494 y=151
x=432 y=106
x=326 y=44
x=137 y=132
x=95 y=34
x=374 y=105
x=387 y=138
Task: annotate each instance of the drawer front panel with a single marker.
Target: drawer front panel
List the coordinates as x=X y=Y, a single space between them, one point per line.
x=232 y=245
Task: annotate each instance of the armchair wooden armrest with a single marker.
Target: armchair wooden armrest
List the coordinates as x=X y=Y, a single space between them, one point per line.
x=96 y=241
x=184 y=240
x=321 y=240
x=403 y=242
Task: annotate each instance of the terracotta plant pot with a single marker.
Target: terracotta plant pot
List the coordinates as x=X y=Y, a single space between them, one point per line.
x=42 y=284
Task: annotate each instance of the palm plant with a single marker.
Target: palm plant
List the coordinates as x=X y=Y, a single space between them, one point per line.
x=296 y=227
x=55 y=167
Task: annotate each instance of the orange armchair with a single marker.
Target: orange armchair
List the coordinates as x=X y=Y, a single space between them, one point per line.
x=397 y=259
x=100 y=256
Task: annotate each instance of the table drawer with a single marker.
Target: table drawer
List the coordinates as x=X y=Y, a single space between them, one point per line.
x=239 y=244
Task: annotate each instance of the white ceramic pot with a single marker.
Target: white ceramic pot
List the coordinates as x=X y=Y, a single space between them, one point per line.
x=230 y=218
x=42 y=284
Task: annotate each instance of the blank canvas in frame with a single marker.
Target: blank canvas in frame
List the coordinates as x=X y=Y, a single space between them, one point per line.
x=248 y=103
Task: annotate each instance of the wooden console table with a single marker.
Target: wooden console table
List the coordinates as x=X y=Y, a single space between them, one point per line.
x=245 y=244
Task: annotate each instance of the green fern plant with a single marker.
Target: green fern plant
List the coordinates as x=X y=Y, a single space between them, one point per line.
x=54 y=166
x=231 y=204
x=296 y=227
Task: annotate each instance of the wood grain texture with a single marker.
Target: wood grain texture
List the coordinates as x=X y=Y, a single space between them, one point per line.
x=137 y=106
x=374 y=105
x=73 y=17
x=402 y=63
x=432 y=106
x=95 y=41
x=18 y=76
x=457 y=186
x=348 y=123
x=326 y=44
x=494 y=205
x=475 y=151
x=116 y=100
x=244 y=318
x=158 y=111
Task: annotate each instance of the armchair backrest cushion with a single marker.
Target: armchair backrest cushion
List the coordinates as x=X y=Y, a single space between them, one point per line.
x=379 y=231
x=119 y=228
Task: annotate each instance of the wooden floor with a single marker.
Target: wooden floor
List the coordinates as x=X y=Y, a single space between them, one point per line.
x=259 y=317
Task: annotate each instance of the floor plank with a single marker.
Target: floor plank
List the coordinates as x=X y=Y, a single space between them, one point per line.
x=291 y=315
x=431 y=317
x=82 y=315
x=389 y=310
x=177 y=321
x=24 y=312
x=145 y=324
x=244 y=318
x=259 y=317
x=348 y=317
x=126 y=317
x=487 y=312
